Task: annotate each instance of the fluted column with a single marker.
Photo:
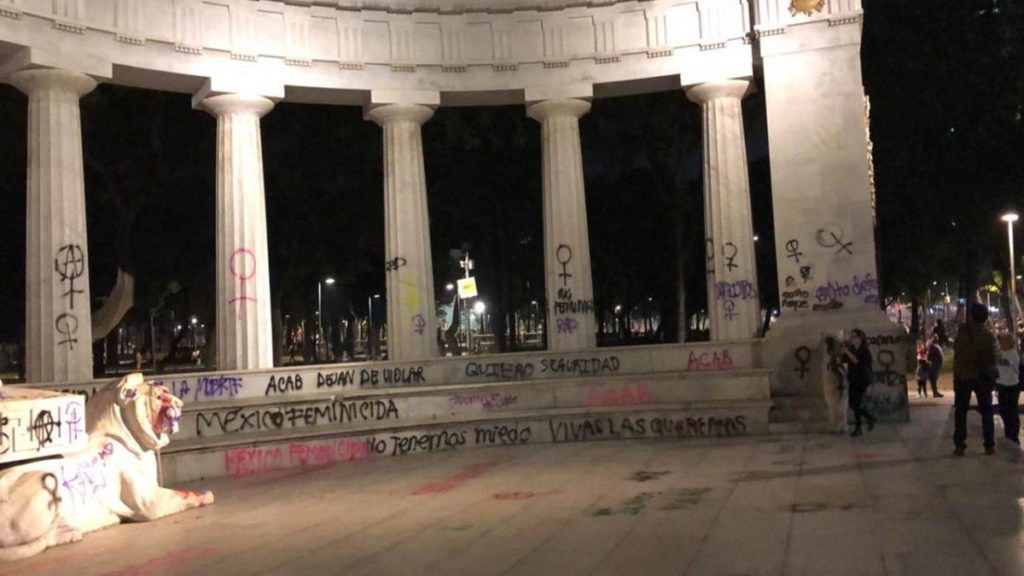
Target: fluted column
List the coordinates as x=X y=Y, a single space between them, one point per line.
x=58 y=323
x=733 y=302
x=570 y=291
x=412 y=329
x=244 y=328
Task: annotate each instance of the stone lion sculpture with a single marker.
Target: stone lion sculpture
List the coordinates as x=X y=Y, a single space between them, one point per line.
x=54 y=501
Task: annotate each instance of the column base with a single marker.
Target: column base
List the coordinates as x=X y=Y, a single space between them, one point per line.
x=793 y=349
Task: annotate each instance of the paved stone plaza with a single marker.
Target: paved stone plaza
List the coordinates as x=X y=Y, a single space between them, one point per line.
x=894 y=502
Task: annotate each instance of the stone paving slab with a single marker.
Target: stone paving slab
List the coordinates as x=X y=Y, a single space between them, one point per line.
x=894 y=502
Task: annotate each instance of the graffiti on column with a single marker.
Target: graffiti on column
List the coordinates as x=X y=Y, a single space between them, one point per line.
x=793 y=250
x=729 y=292
x=794 y=297
x=243 y=267
x=803 y=358
x=730 y=251
x=419 y=324
x=832 y=236
x=394 y=264
x=565 y=302
x=564 y=255
x=69 y=265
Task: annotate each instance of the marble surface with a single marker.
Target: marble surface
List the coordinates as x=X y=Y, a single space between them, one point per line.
x=894 y=502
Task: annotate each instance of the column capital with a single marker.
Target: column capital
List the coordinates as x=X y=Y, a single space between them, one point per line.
x=52 y=79
x=562 y=107
x=225 y=104
x=708 y=91
x=395 y=113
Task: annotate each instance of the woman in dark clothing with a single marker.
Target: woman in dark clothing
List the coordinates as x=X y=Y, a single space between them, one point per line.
x=857 y=357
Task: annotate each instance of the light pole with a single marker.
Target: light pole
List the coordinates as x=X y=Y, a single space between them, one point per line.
x=369 y=326
x=320 y=313
x=1010 y=218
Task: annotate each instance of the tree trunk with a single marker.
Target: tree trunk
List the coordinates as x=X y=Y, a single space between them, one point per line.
x=915 y=316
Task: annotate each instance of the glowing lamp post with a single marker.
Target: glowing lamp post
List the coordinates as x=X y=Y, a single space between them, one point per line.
x=1010 y=218
x=320 y=313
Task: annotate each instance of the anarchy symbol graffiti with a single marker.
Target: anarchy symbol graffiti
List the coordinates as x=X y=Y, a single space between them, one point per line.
x=70 y=266
x=43 y=427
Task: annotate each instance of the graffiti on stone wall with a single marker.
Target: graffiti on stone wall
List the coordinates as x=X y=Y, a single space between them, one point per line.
x=238 y=420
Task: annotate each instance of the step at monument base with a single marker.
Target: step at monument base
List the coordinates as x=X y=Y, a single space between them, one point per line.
x=263 y=452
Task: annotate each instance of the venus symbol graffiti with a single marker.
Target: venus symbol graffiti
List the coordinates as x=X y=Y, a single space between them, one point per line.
x=243 y=267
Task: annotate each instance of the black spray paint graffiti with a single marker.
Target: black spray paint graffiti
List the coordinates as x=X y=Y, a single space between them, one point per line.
x=283 y=384
x=793 y=250
x=709 y=250
x=4 y=438
x=52 y=486
x=67 y=326
x=70 y=266
x=795 y=299
x=803 y=358
x=394 y=264
x=887 y=376
x=614 y=428
x=730 y=251
x=419 y=324
x=371 y=377
x=524 y=370
x=564 y=255
x=236 y=420
x=805 y=273
x=42 y=428
x=565 y=303
x=832 y=237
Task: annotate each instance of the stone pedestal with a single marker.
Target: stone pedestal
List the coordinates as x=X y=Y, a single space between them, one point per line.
x=733 y=302
x=244 y=335
x=570 y=292
x=58 y=323
x=412 y=325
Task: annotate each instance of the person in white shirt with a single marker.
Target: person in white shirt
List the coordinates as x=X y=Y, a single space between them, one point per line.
x=1008 y=386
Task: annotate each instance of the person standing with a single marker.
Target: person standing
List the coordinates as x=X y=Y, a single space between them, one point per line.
x=935 y=359
x=974 y=371
x=939 y=332
x=1008 y=389
x=922 y=378
x=857 y=357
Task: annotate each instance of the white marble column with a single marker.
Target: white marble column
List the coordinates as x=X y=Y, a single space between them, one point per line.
x=570 y=291
x=58 y=323
x=244 y=334
x=412 y=328
x=733 y=300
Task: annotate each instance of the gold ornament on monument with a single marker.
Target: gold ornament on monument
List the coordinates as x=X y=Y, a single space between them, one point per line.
x=808 y=7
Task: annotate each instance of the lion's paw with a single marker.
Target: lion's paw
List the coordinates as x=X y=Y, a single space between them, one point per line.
x=194 y=498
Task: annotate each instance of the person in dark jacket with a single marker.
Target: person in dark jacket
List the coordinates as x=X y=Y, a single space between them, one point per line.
x=934 y=364
x=857 y=357
x=939 y=331
x=974 y=371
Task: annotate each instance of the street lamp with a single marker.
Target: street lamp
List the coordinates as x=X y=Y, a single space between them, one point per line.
x=1010 y=218
x=320 y=312
x=369 y=326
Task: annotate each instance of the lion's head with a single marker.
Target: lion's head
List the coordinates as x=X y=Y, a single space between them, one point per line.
x=150 y=411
